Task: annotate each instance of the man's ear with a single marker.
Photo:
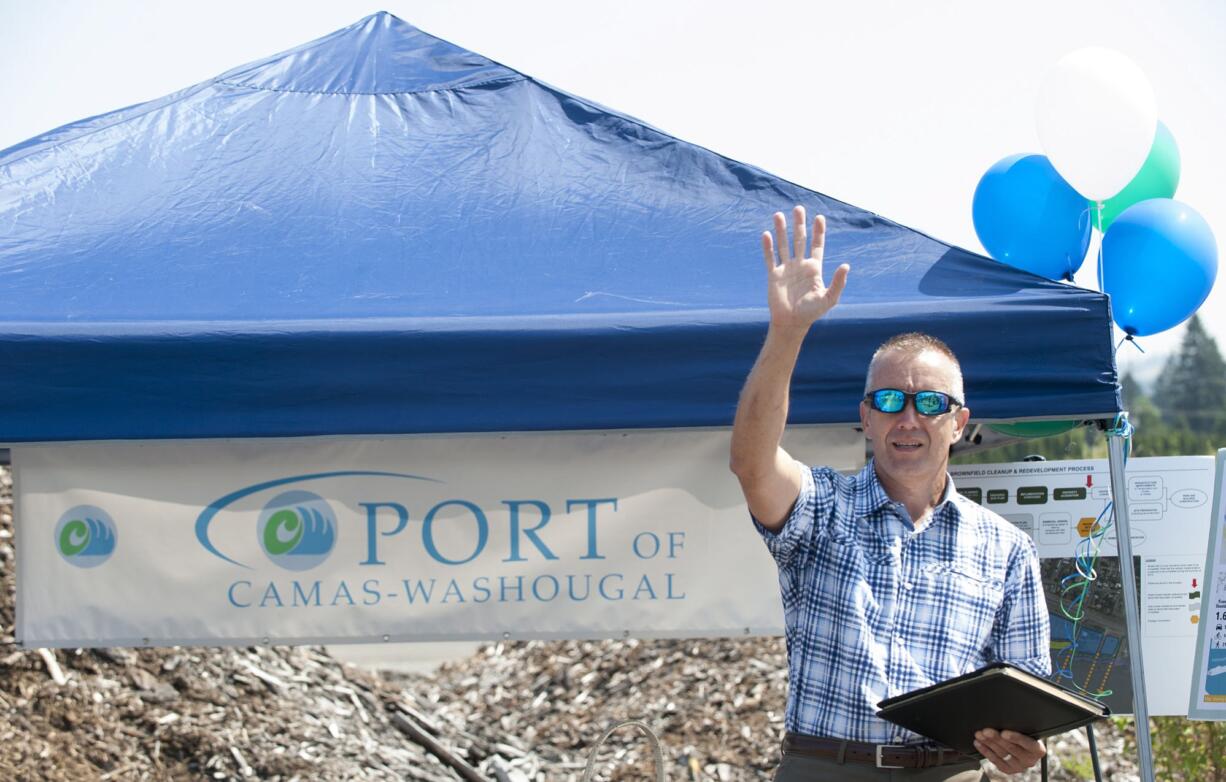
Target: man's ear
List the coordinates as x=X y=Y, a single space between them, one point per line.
x=864 y=417
x=961 y=418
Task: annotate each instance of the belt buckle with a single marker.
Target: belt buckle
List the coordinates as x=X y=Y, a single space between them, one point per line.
x=882 y=747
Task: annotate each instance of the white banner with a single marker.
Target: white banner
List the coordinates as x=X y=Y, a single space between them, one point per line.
x=635 y=533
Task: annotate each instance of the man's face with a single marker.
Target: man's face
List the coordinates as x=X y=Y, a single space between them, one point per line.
x=908 y=446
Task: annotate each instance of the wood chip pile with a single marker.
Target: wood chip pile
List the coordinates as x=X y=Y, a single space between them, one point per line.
x=514 y=712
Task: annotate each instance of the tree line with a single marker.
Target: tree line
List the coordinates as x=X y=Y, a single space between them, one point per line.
x=1183 y=414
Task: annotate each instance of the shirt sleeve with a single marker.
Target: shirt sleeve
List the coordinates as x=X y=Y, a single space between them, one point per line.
x=1022 y=633
x=799 y=527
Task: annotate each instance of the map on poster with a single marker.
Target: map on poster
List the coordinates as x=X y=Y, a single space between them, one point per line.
x=1208 y=698
x=1060 y=505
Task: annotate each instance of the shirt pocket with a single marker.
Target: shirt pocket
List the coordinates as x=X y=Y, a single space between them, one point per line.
x=960 y=602
x=842 y=585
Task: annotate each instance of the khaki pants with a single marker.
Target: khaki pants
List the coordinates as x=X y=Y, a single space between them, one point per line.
x=803 y=768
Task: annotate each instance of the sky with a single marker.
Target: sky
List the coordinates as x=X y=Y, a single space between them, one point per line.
x=895 y=107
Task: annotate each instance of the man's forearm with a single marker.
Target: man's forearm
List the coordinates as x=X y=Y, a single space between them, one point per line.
x=797 y=298
x=762 y=412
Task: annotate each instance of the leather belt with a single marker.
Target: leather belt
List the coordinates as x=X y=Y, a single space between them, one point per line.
x=879 y=755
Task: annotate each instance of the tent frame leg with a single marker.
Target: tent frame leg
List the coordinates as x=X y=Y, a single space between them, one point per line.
x=1123 y=535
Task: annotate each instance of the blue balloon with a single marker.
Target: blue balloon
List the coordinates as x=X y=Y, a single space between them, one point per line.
x=1027 y=216
x=1159 y=264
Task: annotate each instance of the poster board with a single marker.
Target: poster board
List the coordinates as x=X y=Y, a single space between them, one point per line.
x=1208 y=696
x=1058 y=503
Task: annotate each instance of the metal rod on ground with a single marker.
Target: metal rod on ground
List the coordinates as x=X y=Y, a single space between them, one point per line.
x=1119 y=498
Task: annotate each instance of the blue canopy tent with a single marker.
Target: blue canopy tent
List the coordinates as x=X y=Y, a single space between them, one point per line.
x=380 y=232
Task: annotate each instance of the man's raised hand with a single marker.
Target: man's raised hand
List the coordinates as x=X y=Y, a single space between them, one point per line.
x=795 y=291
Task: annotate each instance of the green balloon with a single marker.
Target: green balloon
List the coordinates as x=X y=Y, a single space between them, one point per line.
x=1035 y=428
x=1158 y=178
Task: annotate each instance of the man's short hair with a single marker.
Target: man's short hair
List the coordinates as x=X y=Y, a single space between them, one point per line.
x=914 y=343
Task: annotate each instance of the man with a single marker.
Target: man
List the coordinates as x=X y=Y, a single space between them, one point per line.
x=890 y=580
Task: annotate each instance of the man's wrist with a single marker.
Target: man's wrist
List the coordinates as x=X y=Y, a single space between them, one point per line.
x=788 y=332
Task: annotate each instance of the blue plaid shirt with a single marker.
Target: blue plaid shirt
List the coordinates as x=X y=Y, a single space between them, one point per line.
x=874 y=609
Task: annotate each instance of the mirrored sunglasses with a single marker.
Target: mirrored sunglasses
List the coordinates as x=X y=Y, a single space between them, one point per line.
x=893 y=400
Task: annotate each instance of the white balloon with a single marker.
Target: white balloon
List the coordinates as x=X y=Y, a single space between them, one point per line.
x=1096 y=117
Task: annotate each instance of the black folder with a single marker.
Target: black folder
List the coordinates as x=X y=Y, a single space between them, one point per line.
x=998 y=696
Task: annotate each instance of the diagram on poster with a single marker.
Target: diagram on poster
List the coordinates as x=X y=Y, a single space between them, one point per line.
x=1091 y=656
x=1208 y=697
x=1062 y=505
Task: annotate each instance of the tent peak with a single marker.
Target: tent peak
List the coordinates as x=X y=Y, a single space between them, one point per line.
x=379 y=54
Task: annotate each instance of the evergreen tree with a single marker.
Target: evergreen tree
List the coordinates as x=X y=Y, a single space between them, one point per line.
x=1191 y=391
x=1130 y=390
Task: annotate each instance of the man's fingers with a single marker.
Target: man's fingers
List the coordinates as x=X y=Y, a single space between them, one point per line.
x=799 y=234
x=1021 y=746
x=1010 y=752
x=819 y=238
x=781 y=237
x=795 y=249
x=768 y=250
x=838 y=284
x=1002 y=760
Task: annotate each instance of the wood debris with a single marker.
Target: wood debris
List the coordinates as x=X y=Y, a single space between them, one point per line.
x=53 y=667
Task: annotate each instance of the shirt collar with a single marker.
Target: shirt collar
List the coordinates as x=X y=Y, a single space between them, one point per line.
x=871 y=496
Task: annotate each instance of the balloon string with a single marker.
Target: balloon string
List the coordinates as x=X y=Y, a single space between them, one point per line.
x=1101 y=234
x=1129 y=338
